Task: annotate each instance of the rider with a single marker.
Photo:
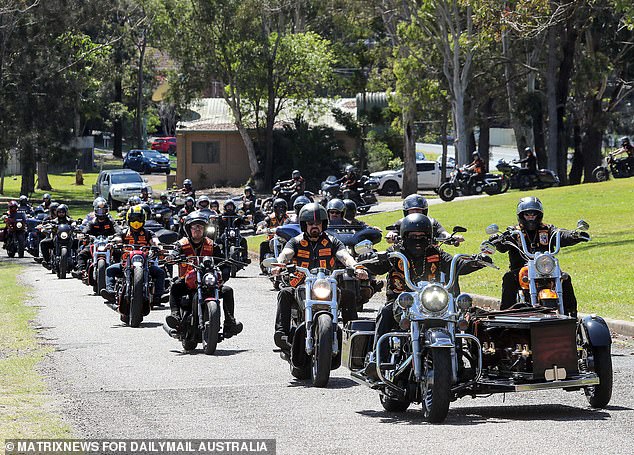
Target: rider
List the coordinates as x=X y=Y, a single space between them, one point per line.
x=229 y=218
x=529 y=164
x=101 y=225
x=14 y=214
x=476 y=169
x=189 y=207
x=145 y=196
x=295 y=184
x=314 y=247
x=164 y=200
x=628 y=148
x=426 y=263
x=336 y=209
x=298 y=204
x=203 y=206
x=188 y=190
x=214 y=205
x=135 y=234
x=24 y=206
x=530 y=213
x=272 y=221
x=46 y=245
x=415 y=203
x=349 y=181
x=46 y=201
x=195 y=243
x=350 y=213
x=248 y=201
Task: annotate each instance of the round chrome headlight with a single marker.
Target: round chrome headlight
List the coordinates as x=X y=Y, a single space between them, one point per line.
x=19 y=225
x=63 y=235
x=434 y=299
x=211 y=231
x=405 y=300
x=232 y=233
x=322 y=290
x=209 y=279
x=464 y=301
x=545 y=264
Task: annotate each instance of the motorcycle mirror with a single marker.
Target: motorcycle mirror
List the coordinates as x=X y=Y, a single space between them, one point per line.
x=269 y=262
x=487 y=248
x=459 y=229
x=363 y=247
x=582 y=225
x=492 y=229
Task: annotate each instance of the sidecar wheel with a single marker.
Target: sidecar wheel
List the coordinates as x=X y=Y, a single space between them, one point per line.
x=599 y=395
x=394 y=405
x=436 y=385
x=322 y=357
x=212 y=326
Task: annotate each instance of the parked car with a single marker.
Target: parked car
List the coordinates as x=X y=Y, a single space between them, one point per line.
x=165 y=145
x=391 y=182
x=116 y=186
x=146 y=161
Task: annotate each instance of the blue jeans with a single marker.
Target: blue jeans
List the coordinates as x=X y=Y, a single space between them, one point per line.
x=156 y=272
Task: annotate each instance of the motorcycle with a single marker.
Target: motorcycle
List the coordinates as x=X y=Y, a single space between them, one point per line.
x=205 y=282
x=364 y=195
x=544 y=178
x=280 y=192
x=453 y=349
x=135 y=290
x=232 y=245
x=461 y=184
x=162 y=214
x=619 y=168
x=14 y=240
x=315 y=333
x=33 y=236
x=64 y=252
x=101 y=259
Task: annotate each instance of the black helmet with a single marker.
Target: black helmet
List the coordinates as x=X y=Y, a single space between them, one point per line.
x=296 y=174
x=300 y=201
x=101 y=207
x=248 y=190
x=203 y=200
x=415 y=201
x=313 y=212
x=351 y=209
x=227 y=203
x=190 y=200
x=194 y=218
x=13 y=206
x=23 y=200
x=337 y=205
x=144 y=190
x=416 y=222
x=134 y=200
x=528 y=150
x=52 y=209
x=280 y=206
x=46 y=197
x=530 y=204
x=214 y=202
x=61 y=208
x=187 y=182
x=475 y=155
x=625 y=141
x=136 y=217
x=163 y=196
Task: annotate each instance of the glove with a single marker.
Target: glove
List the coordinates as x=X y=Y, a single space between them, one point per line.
x=484 y=258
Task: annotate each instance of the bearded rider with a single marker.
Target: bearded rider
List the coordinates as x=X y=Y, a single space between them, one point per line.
x=195 y=243
x=426 y=263
x=530 y=213
x=314 y=247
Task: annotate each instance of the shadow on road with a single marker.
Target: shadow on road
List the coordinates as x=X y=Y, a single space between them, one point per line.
x=218 y=353
x=333 y=383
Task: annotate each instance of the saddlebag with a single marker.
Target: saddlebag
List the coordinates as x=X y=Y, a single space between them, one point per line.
x=358 y=338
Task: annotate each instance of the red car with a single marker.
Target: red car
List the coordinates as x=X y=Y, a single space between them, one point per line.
x=165 y=145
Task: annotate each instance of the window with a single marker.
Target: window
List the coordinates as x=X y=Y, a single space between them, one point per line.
x=205 y=152
x=425 y=167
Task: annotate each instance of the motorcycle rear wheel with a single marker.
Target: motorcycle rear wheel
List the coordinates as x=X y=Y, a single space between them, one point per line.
x=211 y=311
x=136 y=304
x=322 y=356
x=63 y=264
x=599 y=395
x=436 y=385
x=447 y=192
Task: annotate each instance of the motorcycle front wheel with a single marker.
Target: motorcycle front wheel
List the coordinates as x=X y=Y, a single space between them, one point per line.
x=322 y=356
x=505 y=184
x=136 y=305
x=436 y=385
x=600 y=174
x=101 y=276
x=447 y=192
x=211 y=317
x=63 y=264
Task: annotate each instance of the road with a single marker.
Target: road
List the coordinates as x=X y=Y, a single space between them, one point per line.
x=111 y=381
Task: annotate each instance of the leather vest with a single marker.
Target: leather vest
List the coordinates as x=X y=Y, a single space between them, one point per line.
x=310 y=255
x=274 y=222
x=430 y=272
x=187 y=249
x=141 y=238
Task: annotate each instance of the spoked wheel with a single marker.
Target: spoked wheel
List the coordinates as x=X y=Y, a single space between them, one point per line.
x=436 y=385
x=447 y=192
x=322 y=356
x=599 y=395
x=600 y=174
x=212 y=326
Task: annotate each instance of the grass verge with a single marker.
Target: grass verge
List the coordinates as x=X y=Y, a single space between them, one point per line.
x=23 y=402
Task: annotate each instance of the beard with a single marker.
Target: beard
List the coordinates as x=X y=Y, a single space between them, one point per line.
x=314 y=232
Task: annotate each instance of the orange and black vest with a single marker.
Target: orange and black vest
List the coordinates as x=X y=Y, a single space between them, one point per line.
x=430 y=266
x=274 y=222
x=314 y=254
x=187 y=249
x=141 y=238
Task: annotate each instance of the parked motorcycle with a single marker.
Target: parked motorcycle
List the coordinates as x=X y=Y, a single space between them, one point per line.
x=461 y=184
x=15 y=237
x=544 y=178
x=282 y=193
x=618 y=167
x=315 y=333
x=205 y=281
x=364 y=195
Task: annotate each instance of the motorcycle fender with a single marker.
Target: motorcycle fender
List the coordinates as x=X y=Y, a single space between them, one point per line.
x=438 y=338
x=596 y=330
x=299 y=358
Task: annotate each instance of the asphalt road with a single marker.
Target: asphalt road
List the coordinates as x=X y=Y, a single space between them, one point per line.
x=111 y=381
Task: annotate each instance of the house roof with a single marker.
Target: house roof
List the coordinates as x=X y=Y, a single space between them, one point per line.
x=214 y=114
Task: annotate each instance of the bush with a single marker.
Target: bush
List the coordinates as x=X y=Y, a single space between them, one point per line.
x=379 y=154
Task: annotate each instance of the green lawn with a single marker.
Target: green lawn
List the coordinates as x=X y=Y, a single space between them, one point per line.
x=23 y=393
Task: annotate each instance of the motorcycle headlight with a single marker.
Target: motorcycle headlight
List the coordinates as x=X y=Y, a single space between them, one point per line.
x=322 y=290
x=405 y=300
x=211 y=231
x=101 y=248
x=63 y=235
x=232 y=233
x=434 y=299
x=209 y=279
x=545 y=264
x=19 y=225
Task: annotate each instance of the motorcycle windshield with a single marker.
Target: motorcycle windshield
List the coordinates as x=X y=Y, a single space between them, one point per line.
x=351 y=235
x=288 y=231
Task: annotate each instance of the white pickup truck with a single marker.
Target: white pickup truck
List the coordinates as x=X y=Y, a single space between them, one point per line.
x=391 y=182
x=116 y=186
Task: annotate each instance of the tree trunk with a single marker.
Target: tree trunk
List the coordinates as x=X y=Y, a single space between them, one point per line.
x=537 y=114
x=484 y=140
x=551 y=96
x=410 y=177
x=138 y=118
x=511 y=95
x=460 y=143
x=42 y=175
x=27 y=164
x=576 y=170
x=443 y=141
x=117 y=127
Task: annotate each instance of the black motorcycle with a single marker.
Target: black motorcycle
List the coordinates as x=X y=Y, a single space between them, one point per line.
x=231 y=242
x=618 y=167
x=280 y=192
x=461 y=184
x=161 y=214
x=64 y=252
x=15 y=237
x=34 y=235
x=364 y=195
x=543 y=178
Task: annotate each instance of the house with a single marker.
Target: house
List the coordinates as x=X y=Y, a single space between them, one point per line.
x=211 y=151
